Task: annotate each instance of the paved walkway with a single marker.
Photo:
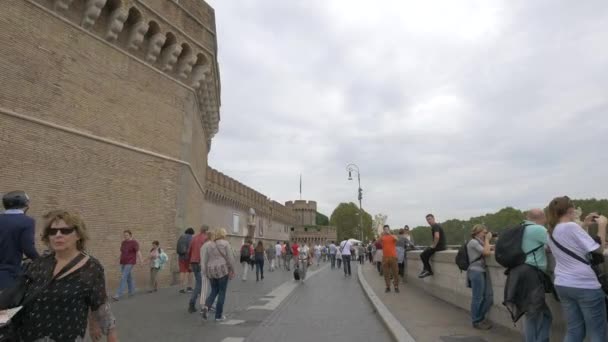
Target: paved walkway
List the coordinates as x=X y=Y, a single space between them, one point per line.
x=327 y=304
x=429 y=319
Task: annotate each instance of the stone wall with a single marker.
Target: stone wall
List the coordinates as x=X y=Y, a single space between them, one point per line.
x=305 y=211
x=227 y=205
x=449 y=284
x=108 y=108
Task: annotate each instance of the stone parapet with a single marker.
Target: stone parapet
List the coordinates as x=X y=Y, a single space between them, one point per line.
x=450 y=284
x=224 y=189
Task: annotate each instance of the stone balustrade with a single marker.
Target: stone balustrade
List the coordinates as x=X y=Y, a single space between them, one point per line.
x=450 y=284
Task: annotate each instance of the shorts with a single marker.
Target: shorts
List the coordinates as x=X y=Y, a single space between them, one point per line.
x=184 y=266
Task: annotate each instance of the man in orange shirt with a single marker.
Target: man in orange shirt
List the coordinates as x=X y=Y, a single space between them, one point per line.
x=389 y=259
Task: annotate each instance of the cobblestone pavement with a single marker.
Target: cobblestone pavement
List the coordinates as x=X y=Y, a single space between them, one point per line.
x=326 y=305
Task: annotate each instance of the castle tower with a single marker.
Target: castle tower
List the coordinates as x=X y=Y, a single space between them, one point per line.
x=108 y=108
x=305 y=211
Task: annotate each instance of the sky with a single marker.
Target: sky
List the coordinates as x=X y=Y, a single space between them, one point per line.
x=458 y=108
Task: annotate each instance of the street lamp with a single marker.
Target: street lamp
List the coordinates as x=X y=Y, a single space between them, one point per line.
x=354 y=168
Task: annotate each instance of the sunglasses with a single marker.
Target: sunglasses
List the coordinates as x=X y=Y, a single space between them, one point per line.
x=64 y=231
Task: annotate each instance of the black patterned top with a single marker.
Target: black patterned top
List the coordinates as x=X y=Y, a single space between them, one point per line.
x=60 y=312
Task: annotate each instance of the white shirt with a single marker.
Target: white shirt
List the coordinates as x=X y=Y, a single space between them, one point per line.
x=317 y=249
x=570 y=272
x=303 y=252
x=278 y=250
x=345 y=246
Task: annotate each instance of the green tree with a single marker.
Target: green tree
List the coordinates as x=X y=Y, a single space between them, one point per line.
x=321 y=220
x=346 y=220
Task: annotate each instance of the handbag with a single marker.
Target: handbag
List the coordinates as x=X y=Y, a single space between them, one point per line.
x=15 y=297
x=216 y=270
x=595 y=264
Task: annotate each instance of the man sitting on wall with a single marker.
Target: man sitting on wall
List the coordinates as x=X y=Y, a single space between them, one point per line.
x=438 y=245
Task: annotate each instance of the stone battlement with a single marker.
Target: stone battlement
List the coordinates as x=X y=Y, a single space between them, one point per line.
x=175 y=38
x=222 y=188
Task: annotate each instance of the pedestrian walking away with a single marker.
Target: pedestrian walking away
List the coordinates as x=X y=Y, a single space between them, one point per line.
x=246 y=258
x=182 y=248
x=219 y=268
x=194 y=257
x=129 y=257
x=339 y=257
x=260 y=256
x=279 y=253
x=304 y=259
x=270 y=256
x=345 y=250
x=17 y=235
x=332 y=254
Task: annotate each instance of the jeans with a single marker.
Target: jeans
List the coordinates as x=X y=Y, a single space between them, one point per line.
x=198 y=282
x=259 y=268
x=218 y=289
x=483 y=296
x=287 y=262
x=537 y=325
x=339 y=260
x=126 y=280
x=585 y=311
x=346 y=259
x=425 y=256
x=333 y=260
x=389 y=267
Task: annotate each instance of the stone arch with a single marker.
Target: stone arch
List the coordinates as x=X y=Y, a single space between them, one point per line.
x=169 y=53
x=135 y=28
x=199 y=71
x=185 y=62
x=153 y=42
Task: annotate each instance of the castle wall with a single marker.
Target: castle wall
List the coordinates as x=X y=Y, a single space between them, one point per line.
x=108 y=110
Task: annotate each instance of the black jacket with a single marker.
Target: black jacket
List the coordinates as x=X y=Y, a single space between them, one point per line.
x=525 y=290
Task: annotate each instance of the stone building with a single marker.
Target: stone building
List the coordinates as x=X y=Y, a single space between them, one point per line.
x=313 y=235
x=108 y=108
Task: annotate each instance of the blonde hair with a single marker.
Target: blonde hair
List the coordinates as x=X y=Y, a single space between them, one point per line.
x=210 y=235
x=220 y=233
x=72 y=220
x=478 y=228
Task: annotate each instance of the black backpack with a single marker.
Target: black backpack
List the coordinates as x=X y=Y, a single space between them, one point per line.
x=296 y=274
x=245 y=251
x=508 y=251
x=462 y=258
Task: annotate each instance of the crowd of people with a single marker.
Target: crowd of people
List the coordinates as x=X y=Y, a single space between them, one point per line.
x=66 y=275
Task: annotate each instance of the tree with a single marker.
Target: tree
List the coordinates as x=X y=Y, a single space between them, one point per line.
x=346 y=220
x=321 y=220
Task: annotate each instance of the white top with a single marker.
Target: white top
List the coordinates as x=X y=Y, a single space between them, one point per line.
x=278 y=249
x=303 y=252
x=345 y=246
x=317 y=249
x=570 y=272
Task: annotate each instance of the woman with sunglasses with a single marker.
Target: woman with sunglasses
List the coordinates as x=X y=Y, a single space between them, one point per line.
x=64 y=304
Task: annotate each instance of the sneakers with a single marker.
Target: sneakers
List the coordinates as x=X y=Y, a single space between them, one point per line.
x=182 y=291
x=396 y=290
x=189 y=289
x=425 y=274
x=191 y=309
x=115 y=298
x=221 y=319
x=205 y=313
x=483 y=325
x=387 y=290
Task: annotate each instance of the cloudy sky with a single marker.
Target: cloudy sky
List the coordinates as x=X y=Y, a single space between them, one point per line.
x=453 y=107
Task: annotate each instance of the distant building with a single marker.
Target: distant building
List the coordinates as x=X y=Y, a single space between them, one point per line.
x=313 y=235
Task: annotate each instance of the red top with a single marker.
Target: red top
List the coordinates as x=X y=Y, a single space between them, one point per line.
x=389 y=245
x=294 y=249
x=194 y=252
x=128 y=252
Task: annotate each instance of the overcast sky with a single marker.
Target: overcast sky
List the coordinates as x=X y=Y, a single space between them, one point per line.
x=456 y=107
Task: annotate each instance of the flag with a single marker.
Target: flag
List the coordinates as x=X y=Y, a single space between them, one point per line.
x=300 y=186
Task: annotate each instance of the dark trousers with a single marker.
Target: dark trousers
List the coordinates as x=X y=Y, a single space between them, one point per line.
x=346 y=259
x=198 y=282
x=333 y=260
x=401 y=269
x=425 y=256
x=259 y=268
x=218 y=289
x=379 y=267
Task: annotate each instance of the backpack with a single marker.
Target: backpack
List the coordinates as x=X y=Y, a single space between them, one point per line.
x=508 y=251
x=296 y=274
x=245 y=251
x=183 y=245
x=163 y=258
x=462 y=258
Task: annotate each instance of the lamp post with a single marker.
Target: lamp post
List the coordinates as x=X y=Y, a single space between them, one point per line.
x=354 y=168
